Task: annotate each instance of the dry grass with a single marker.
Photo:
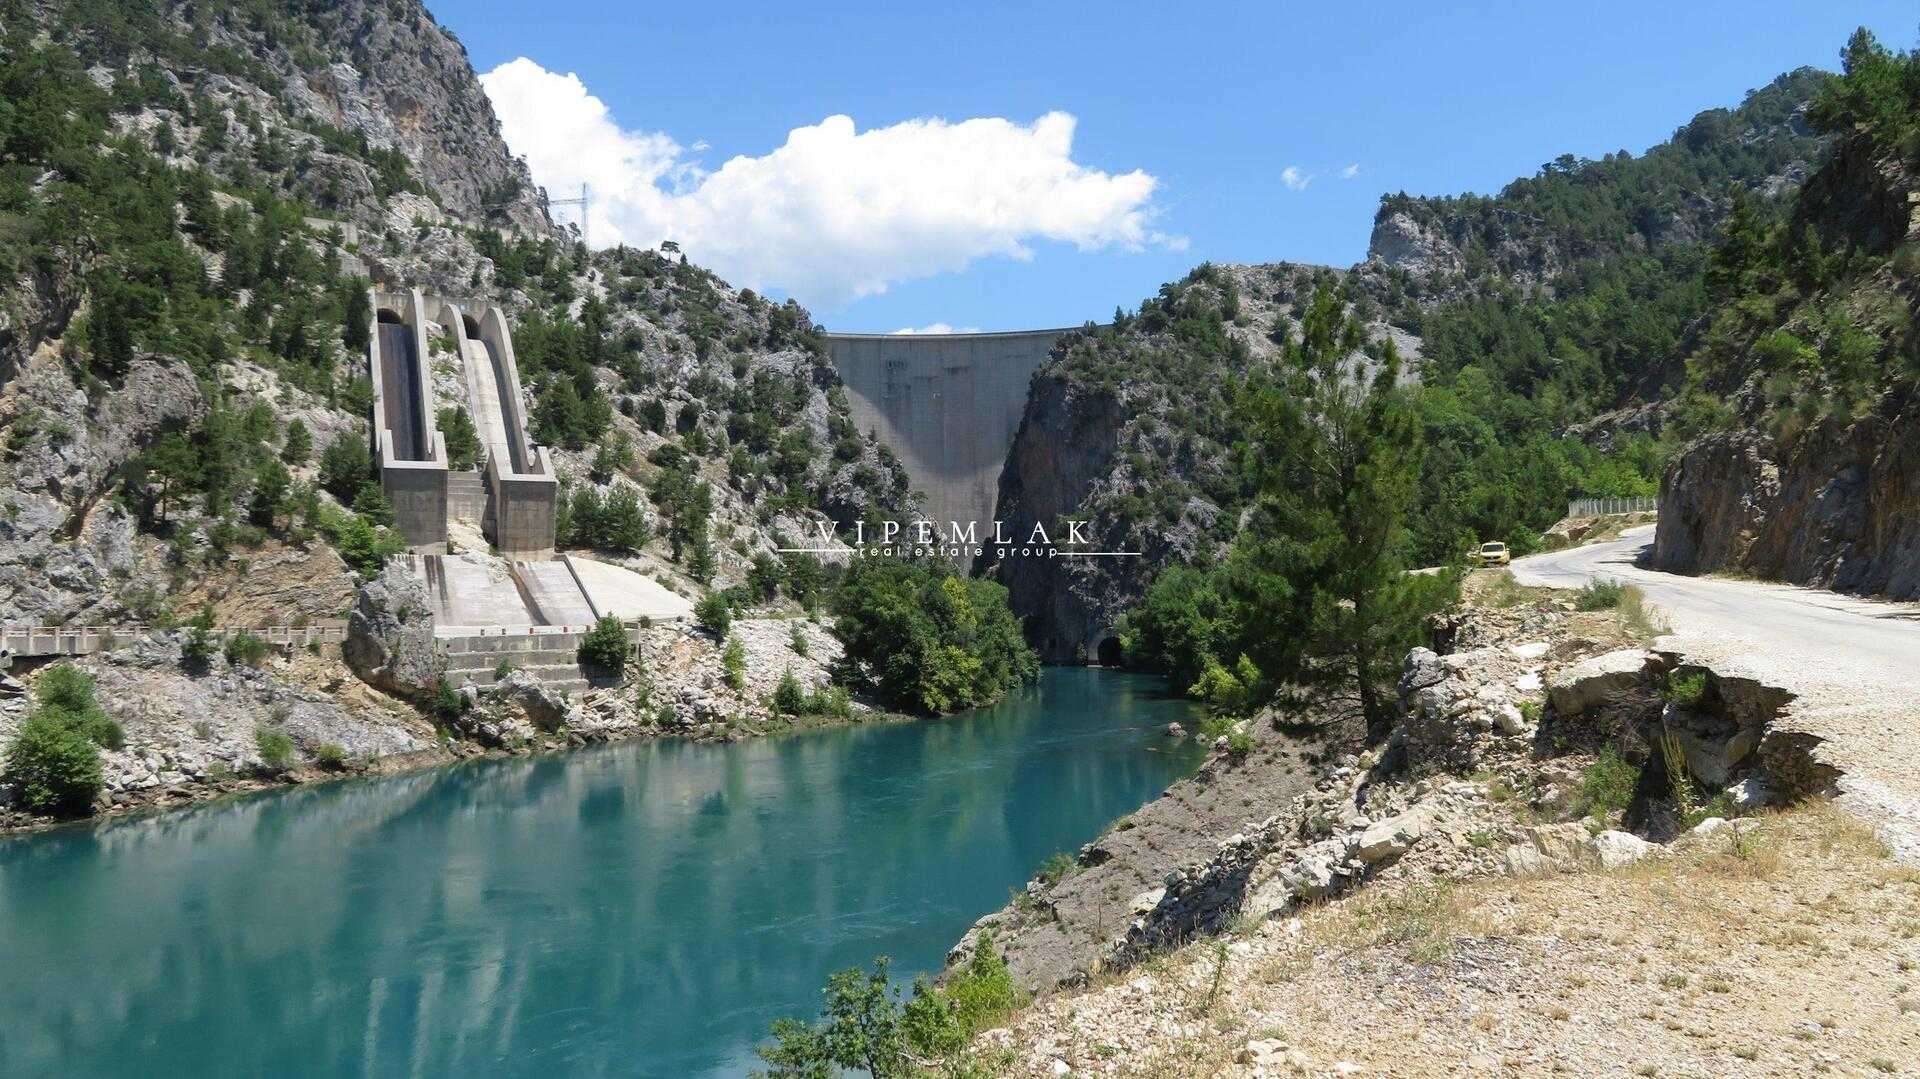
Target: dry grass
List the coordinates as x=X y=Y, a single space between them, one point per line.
x=1765 y=951
x=1639 y=619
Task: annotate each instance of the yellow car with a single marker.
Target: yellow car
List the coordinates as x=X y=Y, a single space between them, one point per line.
x=1490 y=554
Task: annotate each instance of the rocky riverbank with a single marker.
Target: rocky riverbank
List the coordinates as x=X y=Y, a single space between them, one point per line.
x=194 y=731
x=1544 y=743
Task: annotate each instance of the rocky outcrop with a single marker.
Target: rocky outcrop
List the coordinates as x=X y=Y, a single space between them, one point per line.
x=1837 y=507
x=1063 y=449
x=390 y=635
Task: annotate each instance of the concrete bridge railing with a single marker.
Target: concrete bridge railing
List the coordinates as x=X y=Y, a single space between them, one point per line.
x=85 y=640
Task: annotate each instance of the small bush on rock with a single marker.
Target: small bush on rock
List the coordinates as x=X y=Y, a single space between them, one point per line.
x=1599 y=595
x=715 y=615
x=734 y=659
x=605 y=646
x=789 y=698
x=276 y=749
x=246 y=650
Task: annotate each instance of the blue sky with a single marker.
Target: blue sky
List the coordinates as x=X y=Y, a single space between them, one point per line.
x=1185 y=120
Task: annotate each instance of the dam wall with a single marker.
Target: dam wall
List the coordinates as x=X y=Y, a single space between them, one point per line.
x=947 y=404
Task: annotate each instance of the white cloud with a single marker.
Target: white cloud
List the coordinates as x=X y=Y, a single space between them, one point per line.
x=835 y=213
x=936 y=328
x=1350 y=171
x=1295 y=178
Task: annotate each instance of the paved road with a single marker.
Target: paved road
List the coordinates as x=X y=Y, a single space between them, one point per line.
x=1853 y=664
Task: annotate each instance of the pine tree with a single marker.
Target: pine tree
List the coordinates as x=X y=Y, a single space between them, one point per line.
x=1320 y=578
x=298 y=445
x=359 y=314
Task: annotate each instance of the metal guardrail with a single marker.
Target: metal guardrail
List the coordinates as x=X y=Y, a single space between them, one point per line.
x=1607 y=507
x=84 y=640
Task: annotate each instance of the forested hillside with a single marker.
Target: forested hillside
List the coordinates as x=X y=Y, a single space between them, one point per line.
x=1546 y=327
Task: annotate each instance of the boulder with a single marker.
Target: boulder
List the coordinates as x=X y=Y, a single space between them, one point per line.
x=519 y=694
x=1750 y=794
x=1392 y=837
x=1559 y=843
x=1523 y=859
x=1615 y=849
x=1590 y=683
x=390 y=635
x=1509 y=719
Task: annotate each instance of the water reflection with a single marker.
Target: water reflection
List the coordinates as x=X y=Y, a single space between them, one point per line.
x=642 y=909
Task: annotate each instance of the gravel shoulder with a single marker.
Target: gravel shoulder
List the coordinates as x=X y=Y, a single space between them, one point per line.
x=1852 y=664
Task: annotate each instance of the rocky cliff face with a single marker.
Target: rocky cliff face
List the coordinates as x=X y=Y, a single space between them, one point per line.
x=1130 y=428
x=1813 y=476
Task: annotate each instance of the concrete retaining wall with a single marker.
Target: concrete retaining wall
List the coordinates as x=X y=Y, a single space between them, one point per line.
x=947 y=404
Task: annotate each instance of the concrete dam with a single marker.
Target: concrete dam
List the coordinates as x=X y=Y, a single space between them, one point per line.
x=947 y=404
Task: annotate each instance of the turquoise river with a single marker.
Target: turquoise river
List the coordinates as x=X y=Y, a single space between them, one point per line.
x=644 y=909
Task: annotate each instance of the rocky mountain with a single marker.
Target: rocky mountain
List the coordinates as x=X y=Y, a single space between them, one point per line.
x=1804 y=394
x=194 y=200
x=193 y=195
x=1560 y=306
x=1538 y=228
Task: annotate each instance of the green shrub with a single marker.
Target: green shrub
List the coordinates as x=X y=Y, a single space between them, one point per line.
x=200 y=643
x=276 y=749
x=715 y=615
x=1607 y=785
x=830 y=701
x=797 y=640
x=867 y=1027
x=734 y=659
x=54 y=767
x=924 y=639
x=65 y=686
x=789 y=698
x=244 y=649
x=1058 y=866
x=1239 y=744
x=1686 y=690
x=65 y=696
x=605 y=646
x=447 y=702
x=1230 y=692
x=1599 y=595
x=330 y=755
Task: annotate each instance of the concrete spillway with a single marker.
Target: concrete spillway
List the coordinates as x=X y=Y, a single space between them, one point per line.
x=520 y=484
x=408 y=448
x=400 y=381
x=491 y=386
x=947 y=404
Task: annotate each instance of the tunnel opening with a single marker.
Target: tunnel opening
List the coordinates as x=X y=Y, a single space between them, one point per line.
x=472 y=324
x=1110 y=653
x=389 y=317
